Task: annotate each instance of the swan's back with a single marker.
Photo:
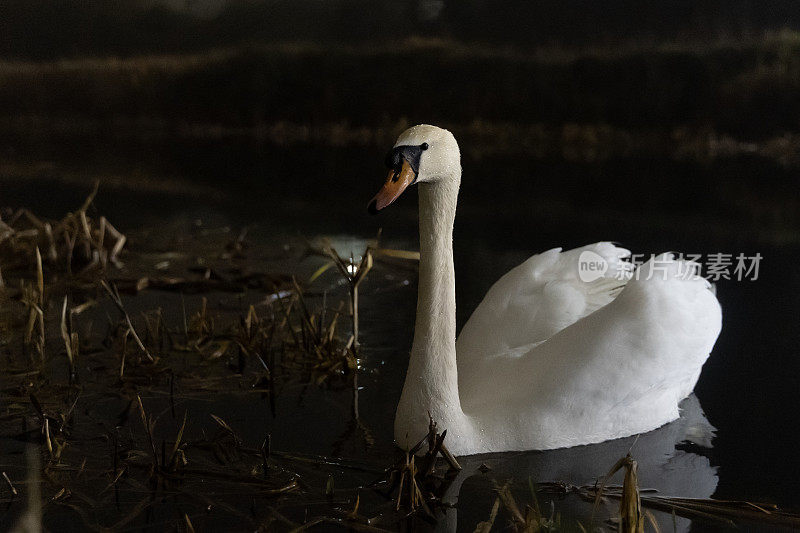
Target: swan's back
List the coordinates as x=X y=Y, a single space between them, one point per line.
x=539 y=298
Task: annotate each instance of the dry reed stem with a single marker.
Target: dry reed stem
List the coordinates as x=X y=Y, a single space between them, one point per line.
x=115 y=297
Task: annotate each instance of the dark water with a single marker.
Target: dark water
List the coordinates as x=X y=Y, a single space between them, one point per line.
x=748 y=388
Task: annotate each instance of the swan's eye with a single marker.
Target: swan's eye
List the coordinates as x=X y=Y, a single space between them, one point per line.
x=406 y=152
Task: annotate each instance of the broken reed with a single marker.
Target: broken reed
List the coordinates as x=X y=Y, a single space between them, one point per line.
x=354 y=274
x=114 y=296
x=631 y=516
x=33 y=297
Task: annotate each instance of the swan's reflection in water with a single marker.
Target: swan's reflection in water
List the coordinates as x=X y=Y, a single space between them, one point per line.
x=671 y=471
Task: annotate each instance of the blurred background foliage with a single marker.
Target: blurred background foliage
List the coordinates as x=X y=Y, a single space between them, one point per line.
x=49 y=29
x=683 y=112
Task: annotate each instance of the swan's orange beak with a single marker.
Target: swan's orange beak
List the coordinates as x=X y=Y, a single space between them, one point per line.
x=397 y=181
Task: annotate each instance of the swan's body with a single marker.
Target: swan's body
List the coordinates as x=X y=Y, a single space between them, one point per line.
x=546 y=360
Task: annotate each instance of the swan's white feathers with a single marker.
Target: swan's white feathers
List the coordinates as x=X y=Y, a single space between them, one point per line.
x=617 y=371
x=538 y=298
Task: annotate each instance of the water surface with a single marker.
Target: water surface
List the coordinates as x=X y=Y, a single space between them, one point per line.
x=746 y=391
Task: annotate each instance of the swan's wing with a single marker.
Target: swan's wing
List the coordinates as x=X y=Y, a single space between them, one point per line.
x=618 y=371
x=540 y=297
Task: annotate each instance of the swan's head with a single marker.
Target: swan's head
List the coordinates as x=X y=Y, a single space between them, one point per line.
x=422 y=154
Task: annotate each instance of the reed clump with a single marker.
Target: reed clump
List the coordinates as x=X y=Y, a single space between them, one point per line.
x=417 y=481
x=77 y=245
x=636 y=505
x=529 y=519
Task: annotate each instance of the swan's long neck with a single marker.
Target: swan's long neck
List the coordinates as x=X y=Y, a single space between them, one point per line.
x=432 y=381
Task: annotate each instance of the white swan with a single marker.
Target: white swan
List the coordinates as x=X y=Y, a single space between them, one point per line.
x=546 y=360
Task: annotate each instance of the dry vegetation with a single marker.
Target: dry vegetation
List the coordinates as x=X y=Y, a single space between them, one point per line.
x=115 y=404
